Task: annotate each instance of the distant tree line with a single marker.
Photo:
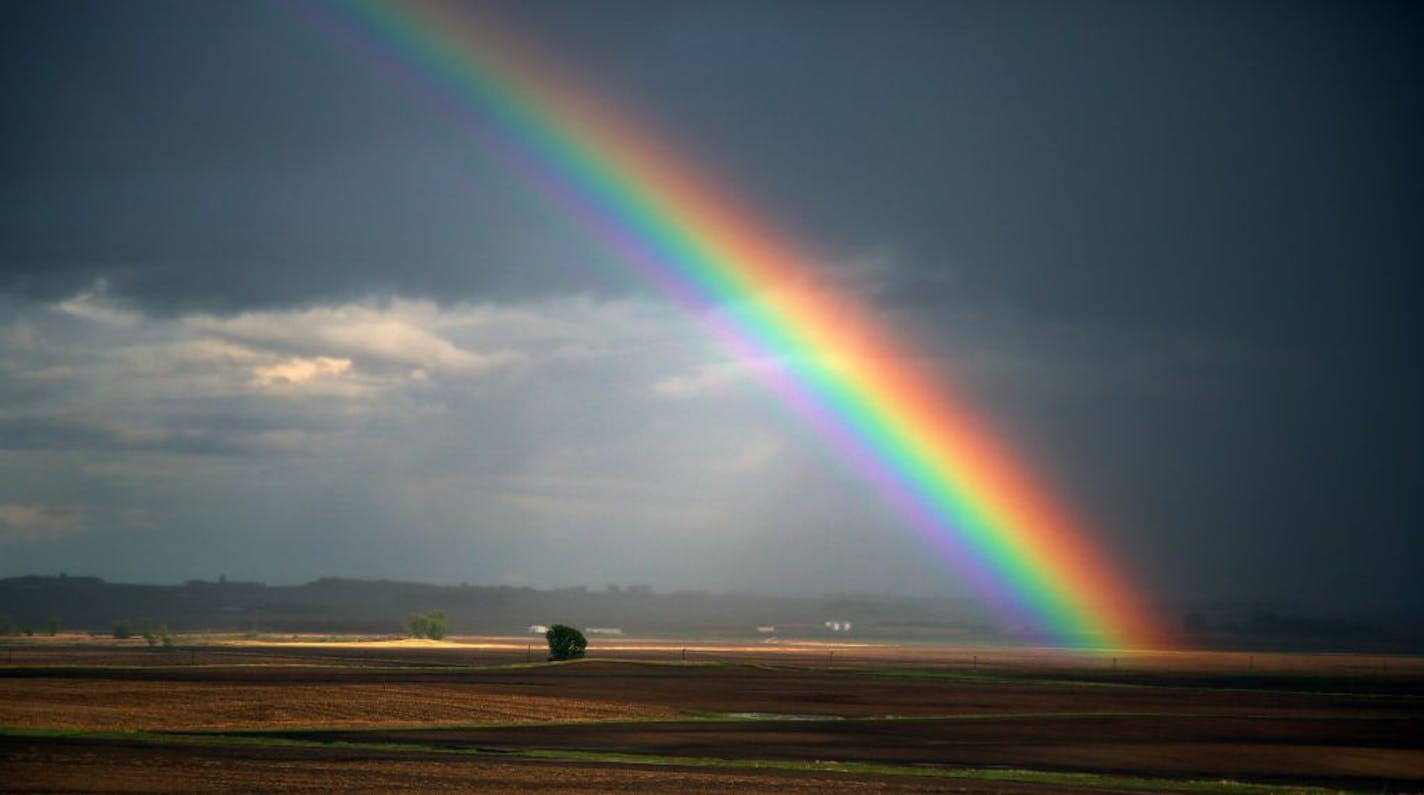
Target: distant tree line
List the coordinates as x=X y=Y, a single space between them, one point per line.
x=9 y=626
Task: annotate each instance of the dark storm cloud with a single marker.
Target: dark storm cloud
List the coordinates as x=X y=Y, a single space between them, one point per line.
x=1244 y=165
x=228 y=155
x=1175 y=246
x=1241 y=164
x=1242 y=179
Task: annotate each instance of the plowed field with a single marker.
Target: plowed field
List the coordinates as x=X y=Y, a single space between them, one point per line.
x=391 y=716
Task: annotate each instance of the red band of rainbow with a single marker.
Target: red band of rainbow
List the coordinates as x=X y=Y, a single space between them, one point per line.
x=931 y=459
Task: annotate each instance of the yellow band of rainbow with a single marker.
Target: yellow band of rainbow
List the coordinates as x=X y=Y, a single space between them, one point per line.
x=931 y=459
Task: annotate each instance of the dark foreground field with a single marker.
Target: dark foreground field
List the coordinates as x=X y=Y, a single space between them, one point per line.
x=88 y=716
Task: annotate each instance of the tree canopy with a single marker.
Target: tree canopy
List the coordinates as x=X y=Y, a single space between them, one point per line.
x=565 y=642
x=434 y=625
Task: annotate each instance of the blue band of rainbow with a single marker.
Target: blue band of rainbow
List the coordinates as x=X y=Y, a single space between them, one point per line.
x=933 y=460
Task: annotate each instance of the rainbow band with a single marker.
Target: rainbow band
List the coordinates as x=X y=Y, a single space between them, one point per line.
x=931 y=459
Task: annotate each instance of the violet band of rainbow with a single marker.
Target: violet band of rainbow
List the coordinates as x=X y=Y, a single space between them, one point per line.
x=931 y=459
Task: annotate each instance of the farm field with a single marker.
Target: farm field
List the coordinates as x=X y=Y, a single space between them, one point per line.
x=315 y=714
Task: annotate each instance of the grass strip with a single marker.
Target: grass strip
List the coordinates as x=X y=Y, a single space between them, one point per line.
x=1093 y=781
x=698 y=717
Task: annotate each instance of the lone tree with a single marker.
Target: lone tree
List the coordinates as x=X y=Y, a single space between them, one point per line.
x=434 y=625
x=565 y=642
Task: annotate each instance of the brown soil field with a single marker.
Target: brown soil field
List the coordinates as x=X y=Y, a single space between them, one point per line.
x=218 y=704
x=1340 y=721
x=91 y=767
x=1292 y=750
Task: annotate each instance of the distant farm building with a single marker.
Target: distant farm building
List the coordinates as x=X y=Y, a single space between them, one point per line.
x=604 y=631
x=838 y=626
x=766 y=629
x=537 y=629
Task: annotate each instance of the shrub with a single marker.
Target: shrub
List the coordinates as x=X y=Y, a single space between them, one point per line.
x=123 y=628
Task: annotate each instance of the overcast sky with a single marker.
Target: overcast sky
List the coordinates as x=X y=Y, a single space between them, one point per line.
x=265 y=312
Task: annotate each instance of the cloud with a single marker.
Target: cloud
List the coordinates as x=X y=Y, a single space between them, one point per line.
x=401 y=335
x=756 y=456
x=479 y=388
x=48 y=374
x=49 y=432
x=32 y=522
x=406 y=438
x=97 y=304
x=708 y=379
x=20 y=339
x=298 y=371
x=716 y=378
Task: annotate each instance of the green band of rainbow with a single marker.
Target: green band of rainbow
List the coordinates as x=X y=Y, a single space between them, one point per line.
x=931 y=459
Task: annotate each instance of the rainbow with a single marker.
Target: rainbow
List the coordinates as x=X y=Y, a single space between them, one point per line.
x=937 y=464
